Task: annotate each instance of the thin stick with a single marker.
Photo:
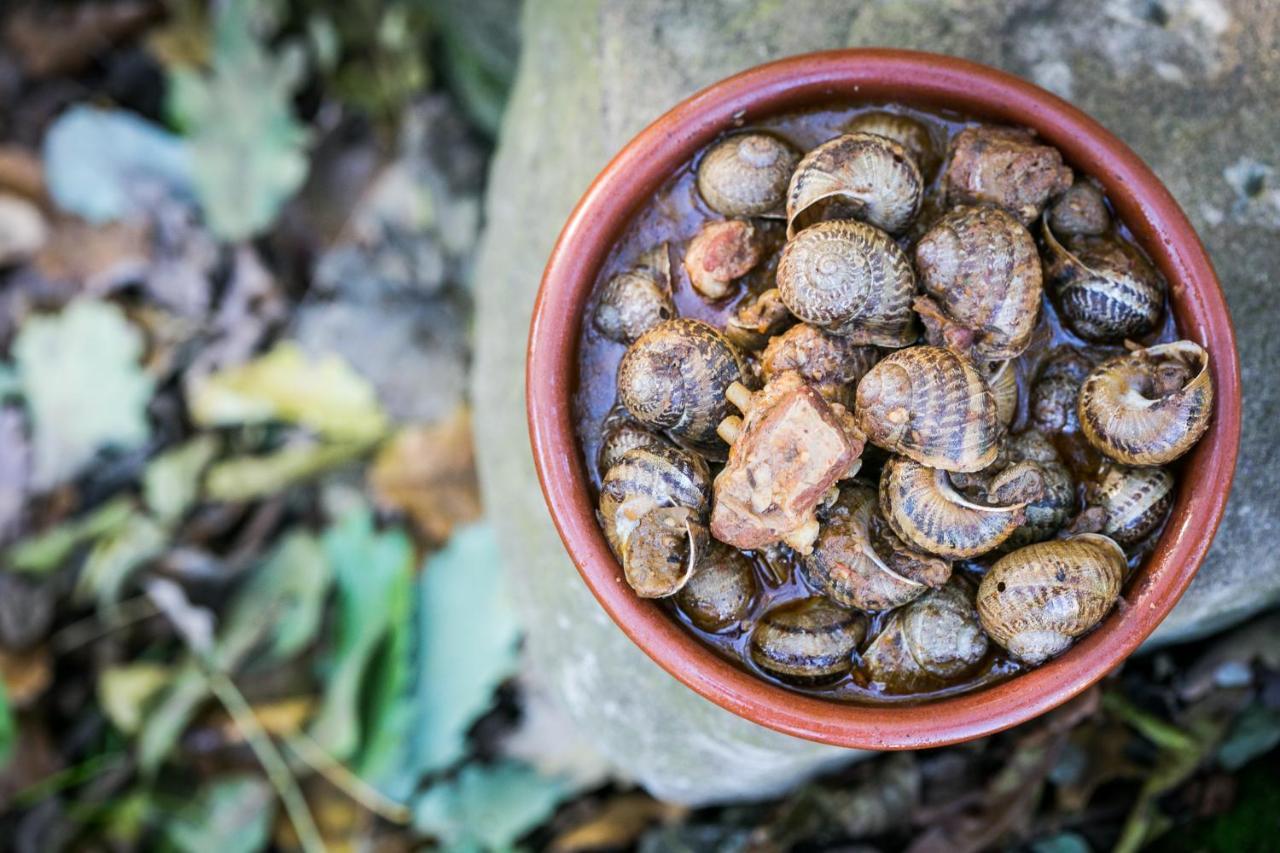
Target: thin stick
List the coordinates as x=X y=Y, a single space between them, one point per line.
x=340 y=776
x=90 y=628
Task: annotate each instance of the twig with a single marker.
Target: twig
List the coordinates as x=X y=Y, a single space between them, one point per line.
x=341 y=777
x=84 y=631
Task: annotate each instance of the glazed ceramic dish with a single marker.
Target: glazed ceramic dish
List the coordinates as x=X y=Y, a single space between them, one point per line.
x=923 y=82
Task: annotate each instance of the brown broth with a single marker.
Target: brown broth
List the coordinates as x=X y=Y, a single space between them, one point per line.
x=674 y=216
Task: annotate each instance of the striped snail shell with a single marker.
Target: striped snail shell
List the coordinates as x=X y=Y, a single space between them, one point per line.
x=747 y=175
x=860 y=176
x=1056 y=391
x=1136 y=501
x=1002 y=376
x=929 y=643
x=930 y=405
x=720 y=592
x=1106 y=289
x=635 y=301
x=852 y=279
x=808 y=642
x=1046 y=515
x=1150 y=406
x=619 y=433
x=1037 y=600
x=910 y=133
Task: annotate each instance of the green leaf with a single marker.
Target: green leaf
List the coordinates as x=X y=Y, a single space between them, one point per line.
x=247 y=149
x=125 y=691
x=231 y=815
x=83 y=386
x=244 y=478
x=172 y=480
x=323 y=394
x=371 y=572
x=488 y=808
x=49 y=550
x=96 y=159
x=468 y=642
x=117 y=556
x=1256 y=732
x=8 y=730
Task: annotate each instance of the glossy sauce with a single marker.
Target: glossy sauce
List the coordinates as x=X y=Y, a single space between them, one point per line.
x=674 y=216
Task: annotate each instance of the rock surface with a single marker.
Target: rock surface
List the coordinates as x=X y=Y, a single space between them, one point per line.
x=1192 y=85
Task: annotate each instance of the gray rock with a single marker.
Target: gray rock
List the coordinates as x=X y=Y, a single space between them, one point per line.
x=1189 y=85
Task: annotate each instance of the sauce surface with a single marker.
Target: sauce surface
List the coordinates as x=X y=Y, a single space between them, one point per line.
x=674 y=216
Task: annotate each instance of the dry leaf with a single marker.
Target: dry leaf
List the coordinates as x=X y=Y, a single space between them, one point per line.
x=96 y=258
x=62 y=38
x=428 y=472
x=26 y=674
x=618 y=824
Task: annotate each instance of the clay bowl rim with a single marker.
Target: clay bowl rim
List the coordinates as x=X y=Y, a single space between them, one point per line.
x=929 y=80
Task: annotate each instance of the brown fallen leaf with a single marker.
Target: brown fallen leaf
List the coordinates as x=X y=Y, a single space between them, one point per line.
x=26 y=674
x=96 y=258
x=619 y=822
x=429 y=473
x=22 y=174
x=57 y=38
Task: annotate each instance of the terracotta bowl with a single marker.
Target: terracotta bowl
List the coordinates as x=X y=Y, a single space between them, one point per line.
x=917 y=79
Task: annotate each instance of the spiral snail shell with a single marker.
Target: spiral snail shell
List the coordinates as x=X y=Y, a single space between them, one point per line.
x=1056 y=391
x=830 y=363
x=929 y=643
x=674 y=377
x=1006 y=167
x=1002 y=377
x=808 y=642
x=860 y=176
x=619 y=433
x=1047 y=514
x=747 y=175
x=852 y=279
x=1135 y=500
x=1150 y=406
x=847 y=566
x=925 y=509
x=1080 y=210
x=980 y=273
x=635 y=301
x=910 y=133
x=930 y=405
x=1107 y=289
x=719 y=593
x=1037 y=600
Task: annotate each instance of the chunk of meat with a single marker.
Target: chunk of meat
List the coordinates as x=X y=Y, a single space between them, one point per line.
x=1006 y=167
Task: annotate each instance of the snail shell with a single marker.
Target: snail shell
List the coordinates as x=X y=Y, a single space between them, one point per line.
x=720 y=592
x=1136 y=501
x=930 y=405
x=860 y=176
x=1056 y=391
x=1037 y=600
x=1150 y=406
x=1080 y=210
x=635 y=301
x=926 y=510
x=1107 y=290
x=1003 y=379
x=1005 y=167
x=908 y=132
x=981 y=272
x=652 y=509
x=619 y=433
x=852 y=279
x=830 y=363
x=674 y=378
x=721 y=253
x=747 y=175
x=928 y=644
x=847 y=567
x=808 y=642
x=1046 y=515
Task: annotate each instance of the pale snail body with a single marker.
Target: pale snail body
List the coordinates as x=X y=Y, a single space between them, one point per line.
x=1106 y=289
x=911 y=134
x=619 y=433
x=861 y=176
x=852 y=279
x=830 y=363
x=635 y=301
x=1005 y=167
x=653 y=506
x=1047 y=514
x=719 y=593
x=747 y=175
x=929 y=643
x=981 y=274
x=674 y=377
x=809 y=641
x=930 y=405
x=1127 y=415
x=1003 y=379
x=1037 y=600
x=846 y=567
x=1136 y=501
x=926 y=510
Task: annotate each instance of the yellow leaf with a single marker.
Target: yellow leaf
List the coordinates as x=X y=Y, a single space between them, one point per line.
x=125 y=692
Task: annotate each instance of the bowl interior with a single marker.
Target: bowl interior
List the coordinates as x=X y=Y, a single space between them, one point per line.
x=928 y=81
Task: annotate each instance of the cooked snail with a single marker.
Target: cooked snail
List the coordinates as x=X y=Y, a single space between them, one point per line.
x=1047 y=514
x=1135 y=501
x=830 y=363
x=747 y=175
x=928 y=644
x=635 y=301
x=1002 y=377
x=653 y=505
x=860 y=176
x=674 y=378
x=925 y=509
x=908 y=132
x=858 y=562
x=1080 y=210
x=619 y=433
x=785 y=453
x=1037 y=600
x=808 y=642
x=980 y=273
x=1056 y=391
x=719 y=593
x=1005 y=167
x=852 y=279
x=1107 y=289
x=931 y=405
x=721 y=253
x=1150 y=406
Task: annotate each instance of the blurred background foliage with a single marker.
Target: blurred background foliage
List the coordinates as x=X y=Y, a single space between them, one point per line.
x=248 y=598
